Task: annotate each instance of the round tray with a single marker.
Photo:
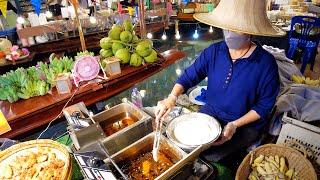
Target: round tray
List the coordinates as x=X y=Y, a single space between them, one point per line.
x=22 y=148
x=207 y=128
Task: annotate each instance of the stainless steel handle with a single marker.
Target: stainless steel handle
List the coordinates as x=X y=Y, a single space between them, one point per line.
x=111 y=160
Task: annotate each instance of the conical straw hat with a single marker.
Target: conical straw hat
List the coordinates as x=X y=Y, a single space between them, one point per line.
x=245 y=16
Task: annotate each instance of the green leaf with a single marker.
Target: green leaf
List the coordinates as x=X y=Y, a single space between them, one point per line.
x=33 y=73
x=23 y=96
x=83 y=53
x=3 y=95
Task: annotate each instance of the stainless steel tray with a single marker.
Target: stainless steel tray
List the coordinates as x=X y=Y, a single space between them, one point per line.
x=179 y=157
x=124 y=138
x=118 y=113
x=86 y=138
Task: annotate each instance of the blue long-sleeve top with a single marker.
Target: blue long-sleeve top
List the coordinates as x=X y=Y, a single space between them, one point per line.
x=234 y=89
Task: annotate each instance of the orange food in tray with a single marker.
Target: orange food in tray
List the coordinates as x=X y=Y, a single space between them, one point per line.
x=117 y=126
x=145 y=168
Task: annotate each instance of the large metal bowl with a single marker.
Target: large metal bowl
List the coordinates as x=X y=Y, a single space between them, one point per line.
x=212 y=125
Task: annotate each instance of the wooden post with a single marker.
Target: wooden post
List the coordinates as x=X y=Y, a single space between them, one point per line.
x=143 y=32
x=176 y=27
x=82 y=41
x=167 y=14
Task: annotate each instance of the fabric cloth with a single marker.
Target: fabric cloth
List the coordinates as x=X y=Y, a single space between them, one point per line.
x=286 y=66
x=303 y=102
x=243 y=138
x=285 y=101
x=234 y=89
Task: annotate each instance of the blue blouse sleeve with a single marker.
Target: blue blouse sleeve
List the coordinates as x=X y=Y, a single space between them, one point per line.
x=196 y=72
x=268 y=92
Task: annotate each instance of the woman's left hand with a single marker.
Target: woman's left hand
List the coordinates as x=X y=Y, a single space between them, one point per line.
x=227 y=133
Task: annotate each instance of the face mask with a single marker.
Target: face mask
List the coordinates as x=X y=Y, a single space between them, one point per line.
x=235 y=40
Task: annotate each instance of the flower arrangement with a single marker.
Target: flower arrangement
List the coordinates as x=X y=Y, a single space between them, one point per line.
x=16 y=53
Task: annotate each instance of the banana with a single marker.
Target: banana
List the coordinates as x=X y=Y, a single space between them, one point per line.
x=314 y=82
x=308 y=81
x=297 y=79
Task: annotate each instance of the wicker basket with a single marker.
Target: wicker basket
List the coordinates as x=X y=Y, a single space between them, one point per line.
x=67 y=172
x=294 y=159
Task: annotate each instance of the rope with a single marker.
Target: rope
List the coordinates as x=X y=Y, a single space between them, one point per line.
x=58 y=114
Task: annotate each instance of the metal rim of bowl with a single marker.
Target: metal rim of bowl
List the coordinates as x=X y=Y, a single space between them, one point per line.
x=190 y=147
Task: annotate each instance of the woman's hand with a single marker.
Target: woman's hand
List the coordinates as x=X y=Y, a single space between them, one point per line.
x=227 y=134
x=164 y=107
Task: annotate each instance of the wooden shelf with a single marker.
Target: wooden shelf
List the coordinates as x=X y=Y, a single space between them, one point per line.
x=27 y=115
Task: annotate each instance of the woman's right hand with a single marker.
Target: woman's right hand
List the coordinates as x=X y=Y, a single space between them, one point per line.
x=164 y=107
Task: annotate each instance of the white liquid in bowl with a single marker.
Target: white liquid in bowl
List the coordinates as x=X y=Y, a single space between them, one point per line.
x=194 y=132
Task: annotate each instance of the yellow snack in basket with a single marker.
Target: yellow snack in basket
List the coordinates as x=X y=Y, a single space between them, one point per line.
x=282 y=165
x=251 y=177
x=290 y=173
x=259 y=159
x=277 y=159
x=42 y=158
x=267 y=167
x=261 y=170
x=36 y=165
x=271 y=168
x=7 y=172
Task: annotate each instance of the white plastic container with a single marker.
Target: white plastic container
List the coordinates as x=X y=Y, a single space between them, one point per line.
x=302 y=135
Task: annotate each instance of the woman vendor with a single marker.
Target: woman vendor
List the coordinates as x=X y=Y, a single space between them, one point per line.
x=243 y=80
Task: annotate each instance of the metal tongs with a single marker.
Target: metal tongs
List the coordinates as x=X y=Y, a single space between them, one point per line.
x=111 y=160
x=157 y=136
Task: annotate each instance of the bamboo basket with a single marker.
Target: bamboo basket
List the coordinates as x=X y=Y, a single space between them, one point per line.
x=11 y=151
x=303 y=167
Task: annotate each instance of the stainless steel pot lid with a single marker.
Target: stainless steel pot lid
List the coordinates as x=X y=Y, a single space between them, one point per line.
x=194 y=129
